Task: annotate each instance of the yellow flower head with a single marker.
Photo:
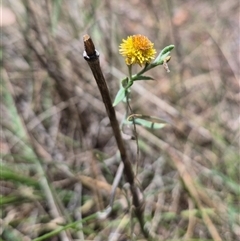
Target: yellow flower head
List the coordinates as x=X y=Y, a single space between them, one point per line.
x=137 y=49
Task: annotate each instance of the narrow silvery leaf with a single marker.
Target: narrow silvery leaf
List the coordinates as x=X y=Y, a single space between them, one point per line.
x=142 y=77
x=120 y=96
x=163 y=54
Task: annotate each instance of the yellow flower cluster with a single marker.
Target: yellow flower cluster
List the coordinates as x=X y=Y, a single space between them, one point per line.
x=137 y=49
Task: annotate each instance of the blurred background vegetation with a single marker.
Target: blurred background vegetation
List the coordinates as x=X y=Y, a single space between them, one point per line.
x=58 y=154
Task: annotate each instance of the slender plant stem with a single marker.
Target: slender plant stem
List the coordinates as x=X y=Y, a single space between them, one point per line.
x=128 y=108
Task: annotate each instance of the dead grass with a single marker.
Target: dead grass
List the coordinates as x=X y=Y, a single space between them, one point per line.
x=59 y=157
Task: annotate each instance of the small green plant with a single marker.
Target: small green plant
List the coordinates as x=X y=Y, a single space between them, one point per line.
x=138 y=49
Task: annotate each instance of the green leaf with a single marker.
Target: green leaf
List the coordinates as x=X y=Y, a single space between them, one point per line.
x=163 y=54
x=169 y=48
x=142 y=77
x=120 y=96
x=146 y=121
x=149 y=124
x=124 y=82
